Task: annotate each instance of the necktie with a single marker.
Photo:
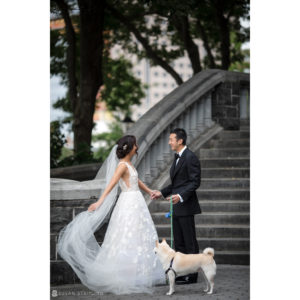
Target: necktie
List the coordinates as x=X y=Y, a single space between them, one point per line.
x=176 y=155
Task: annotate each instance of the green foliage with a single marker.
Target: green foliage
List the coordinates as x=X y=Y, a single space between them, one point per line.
x=83 y=156
x=57 y=141
x=121 y=88
x=63 y=157
x=110 y=138
x=244 y=64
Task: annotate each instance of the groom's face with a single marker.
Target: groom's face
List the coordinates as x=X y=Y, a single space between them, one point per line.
x=175 y=145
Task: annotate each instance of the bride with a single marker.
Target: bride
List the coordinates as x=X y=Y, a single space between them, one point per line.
x=125 y=262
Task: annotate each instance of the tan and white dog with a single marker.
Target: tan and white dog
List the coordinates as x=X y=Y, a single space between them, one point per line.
x=184 y=264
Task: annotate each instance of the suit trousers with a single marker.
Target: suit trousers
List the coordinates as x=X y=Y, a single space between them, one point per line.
x=185 y=240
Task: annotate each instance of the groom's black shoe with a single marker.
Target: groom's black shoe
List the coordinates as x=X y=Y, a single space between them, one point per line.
x=186 y=279
x=182 y=280
x=193 y=278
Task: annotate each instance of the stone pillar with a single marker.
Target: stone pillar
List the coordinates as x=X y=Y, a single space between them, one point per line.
x=193 y=120
x=141 y=169
x=200 y=115
x=147 y=168
x=153 y=158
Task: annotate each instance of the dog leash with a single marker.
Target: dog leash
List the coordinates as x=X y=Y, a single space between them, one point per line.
x=171 y=209
x=170 y=215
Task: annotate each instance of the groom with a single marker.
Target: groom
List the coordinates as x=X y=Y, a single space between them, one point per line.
x=185 y=176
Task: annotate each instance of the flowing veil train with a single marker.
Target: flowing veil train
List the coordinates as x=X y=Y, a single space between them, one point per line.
x=78 y=246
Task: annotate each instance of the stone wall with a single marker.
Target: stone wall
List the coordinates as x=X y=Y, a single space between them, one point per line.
x=226 y=103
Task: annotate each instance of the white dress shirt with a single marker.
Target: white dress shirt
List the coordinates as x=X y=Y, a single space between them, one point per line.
x=180 y=153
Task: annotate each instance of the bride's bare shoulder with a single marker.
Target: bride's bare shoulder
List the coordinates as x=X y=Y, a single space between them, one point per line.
x=121 y=166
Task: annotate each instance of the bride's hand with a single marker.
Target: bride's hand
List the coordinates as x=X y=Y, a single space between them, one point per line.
x=93 y=206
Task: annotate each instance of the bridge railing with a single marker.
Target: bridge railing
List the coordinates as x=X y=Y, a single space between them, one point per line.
x=210 y=97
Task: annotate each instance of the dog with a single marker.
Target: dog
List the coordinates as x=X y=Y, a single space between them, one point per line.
x=180 y=264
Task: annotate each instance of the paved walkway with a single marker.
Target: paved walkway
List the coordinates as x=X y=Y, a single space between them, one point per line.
x=231 y=283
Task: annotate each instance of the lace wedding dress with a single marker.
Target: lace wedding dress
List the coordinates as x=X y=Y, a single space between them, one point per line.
x=126 y=262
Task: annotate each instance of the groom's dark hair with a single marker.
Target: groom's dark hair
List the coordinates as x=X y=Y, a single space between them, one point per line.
x=180 y=134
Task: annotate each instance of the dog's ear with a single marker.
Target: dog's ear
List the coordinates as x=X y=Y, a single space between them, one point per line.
x=164 y=240
x=156 y=243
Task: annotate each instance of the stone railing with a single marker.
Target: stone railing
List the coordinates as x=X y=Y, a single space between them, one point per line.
x=212 y=97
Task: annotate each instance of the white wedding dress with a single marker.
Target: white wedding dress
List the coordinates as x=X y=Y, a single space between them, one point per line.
x=126 y=262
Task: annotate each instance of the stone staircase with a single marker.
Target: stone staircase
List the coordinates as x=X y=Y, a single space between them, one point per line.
x=224 y=197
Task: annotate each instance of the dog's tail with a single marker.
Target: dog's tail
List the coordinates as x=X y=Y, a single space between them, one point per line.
x=209 y=251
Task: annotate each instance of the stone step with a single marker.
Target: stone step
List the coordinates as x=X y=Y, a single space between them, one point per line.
x=245 y=128
x=209 y=183
x=244 y=122
x=234 y=134
x=232 y=257
x=209 y=218
x=219 y=244
x=223 y=194
x=209 y=206
x=211 y=230
x=225 y=162
x=225 y=172
x=229 y=143
x=223 y=152
x=225 y=206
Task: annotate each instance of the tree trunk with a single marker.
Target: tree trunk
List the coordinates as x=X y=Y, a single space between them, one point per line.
x=182 y=26
x=71 y=53
x=204 y=38
x=224 y=32
x=91 y=48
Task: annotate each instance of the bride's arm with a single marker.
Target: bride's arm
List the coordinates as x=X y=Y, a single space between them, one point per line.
x=143 y=186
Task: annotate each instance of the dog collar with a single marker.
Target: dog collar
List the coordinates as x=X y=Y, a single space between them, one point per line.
x=170 y=268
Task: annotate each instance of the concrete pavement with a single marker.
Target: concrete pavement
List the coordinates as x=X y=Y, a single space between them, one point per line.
x=232 y=282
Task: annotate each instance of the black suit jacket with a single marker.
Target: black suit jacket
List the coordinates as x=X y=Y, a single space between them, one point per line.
x=185 y=178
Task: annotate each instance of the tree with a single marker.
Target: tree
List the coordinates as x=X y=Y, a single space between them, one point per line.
x=82 y=93
x=57 y=141
x=211 y=21
x=82 y=58
x=79 y=56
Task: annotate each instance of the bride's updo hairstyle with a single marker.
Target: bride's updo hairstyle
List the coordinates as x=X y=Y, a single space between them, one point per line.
x=125 y=145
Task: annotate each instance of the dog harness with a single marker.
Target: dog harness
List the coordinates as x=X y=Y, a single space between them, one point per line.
x=170 y=268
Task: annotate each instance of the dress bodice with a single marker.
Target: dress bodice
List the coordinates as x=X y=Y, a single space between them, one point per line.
x=133 y=179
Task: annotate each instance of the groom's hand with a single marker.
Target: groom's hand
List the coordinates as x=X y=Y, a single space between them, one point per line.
x=155 y=194
x=175 y=198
